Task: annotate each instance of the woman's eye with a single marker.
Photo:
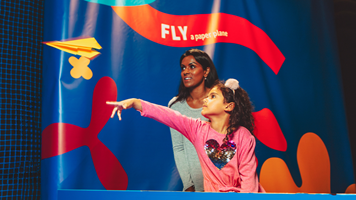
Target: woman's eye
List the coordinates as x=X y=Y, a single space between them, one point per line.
x=182 y=68
x=212 y=96
x=192 y=67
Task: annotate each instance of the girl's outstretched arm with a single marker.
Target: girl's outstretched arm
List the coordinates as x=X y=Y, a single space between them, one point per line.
x=123 y=105
x=185 y=125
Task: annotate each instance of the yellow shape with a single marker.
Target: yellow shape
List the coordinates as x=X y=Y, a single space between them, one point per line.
x=80 y=67
x=82 y=47
x=314 y=165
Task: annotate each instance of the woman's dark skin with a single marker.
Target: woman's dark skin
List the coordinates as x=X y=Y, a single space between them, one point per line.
x=193 y=76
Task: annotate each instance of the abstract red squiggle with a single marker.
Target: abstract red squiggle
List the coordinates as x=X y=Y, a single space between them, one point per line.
x=268 y=131
x=194 y=30
x=59 y=138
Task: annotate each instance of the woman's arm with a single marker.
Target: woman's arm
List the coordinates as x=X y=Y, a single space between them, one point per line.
x=181 y=158
x=179 y=153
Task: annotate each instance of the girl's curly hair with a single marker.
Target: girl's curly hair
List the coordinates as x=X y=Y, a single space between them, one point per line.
x=241 y=115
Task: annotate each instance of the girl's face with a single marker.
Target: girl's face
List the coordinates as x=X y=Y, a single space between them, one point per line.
x=192 y=72
x=214 y=103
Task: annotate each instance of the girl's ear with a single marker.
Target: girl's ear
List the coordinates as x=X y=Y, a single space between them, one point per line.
x=230 y=106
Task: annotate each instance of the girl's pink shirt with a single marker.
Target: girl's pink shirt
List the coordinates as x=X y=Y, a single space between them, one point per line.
x=238 y=175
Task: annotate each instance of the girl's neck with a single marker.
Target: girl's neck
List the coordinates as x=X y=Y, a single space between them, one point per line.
x=220 y=123
x=197 y=95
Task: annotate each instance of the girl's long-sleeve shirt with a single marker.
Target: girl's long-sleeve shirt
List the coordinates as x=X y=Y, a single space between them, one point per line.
x=227 y=166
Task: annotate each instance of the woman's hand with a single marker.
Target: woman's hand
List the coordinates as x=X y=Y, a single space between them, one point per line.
x=123 y=105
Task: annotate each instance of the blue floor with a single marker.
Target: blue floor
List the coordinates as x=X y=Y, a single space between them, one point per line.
x=165 y=195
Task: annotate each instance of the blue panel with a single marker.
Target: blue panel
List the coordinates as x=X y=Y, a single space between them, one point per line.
x=305 y=96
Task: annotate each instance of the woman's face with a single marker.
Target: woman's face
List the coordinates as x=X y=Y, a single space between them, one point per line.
x=192 y=72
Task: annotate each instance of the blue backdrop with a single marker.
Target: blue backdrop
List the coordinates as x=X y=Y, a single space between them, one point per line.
x=304 y=96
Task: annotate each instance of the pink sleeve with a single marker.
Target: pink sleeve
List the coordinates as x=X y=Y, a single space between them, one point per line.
x=171 y=118
x=247 y=164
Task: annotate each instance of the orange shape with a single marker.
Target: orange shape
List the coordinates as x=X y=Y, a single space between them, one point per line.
x=314 y=165
x=351 y=189
x=80 y=67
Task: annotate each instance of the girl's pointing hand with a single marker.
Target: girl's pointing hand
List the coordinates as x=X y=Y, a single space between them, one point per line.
x=123 y=105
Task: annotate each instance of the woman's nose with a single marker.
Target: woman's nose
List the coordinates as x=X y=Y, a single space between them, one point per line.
x=186 y=70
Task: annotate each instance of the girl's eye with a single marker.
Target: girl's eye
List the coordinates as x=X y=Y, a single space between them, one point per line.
x=212 y=96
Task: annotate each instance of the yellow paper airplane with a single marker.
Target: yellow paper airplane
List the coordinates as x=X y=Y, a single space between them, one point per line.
x=83 y=47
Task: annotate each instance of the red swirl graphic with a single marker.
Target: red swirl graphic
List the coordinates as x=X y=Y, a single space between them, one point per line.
x=60 y=138
x=200 y=29
x=268 y=131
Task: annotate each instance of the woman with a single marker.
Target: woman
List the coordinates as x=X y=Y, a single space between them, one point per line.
x=198 y=76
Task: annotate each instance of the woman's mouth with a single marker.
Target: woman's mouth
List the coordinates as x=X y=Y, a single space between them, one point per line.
x=187 y=79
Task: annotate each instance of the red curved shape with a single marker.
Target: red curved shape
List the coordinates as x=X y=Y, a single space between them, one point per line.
x=268 y=131
x=109 y=170
x=198 y=30
x=59 y=138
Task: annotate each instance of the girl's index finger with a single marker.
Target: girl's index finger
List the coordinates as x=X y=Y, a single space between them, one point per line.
x=112 y=103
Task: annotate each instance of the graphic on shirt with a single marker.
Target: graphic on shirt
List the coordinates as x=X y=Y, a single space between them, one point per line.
x=220 y=155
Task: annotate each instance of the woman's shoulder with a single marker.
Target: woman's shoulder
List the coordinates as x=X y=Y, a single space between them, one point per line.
x=172 y=100
x=174 y=103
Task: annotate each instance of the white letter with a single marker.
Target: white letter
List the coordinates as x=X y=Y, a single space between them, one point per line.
x=183 y=32
x=174 y=37
x=164 y=31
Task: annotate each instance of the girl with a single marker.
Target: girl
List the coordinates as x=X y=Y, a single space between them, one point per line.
x=225 y=145
x=198 y=75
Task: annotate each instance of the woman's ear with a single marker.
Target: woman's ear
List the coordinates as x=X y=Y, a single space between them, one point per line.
x=206 y=72
x=230 y=106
